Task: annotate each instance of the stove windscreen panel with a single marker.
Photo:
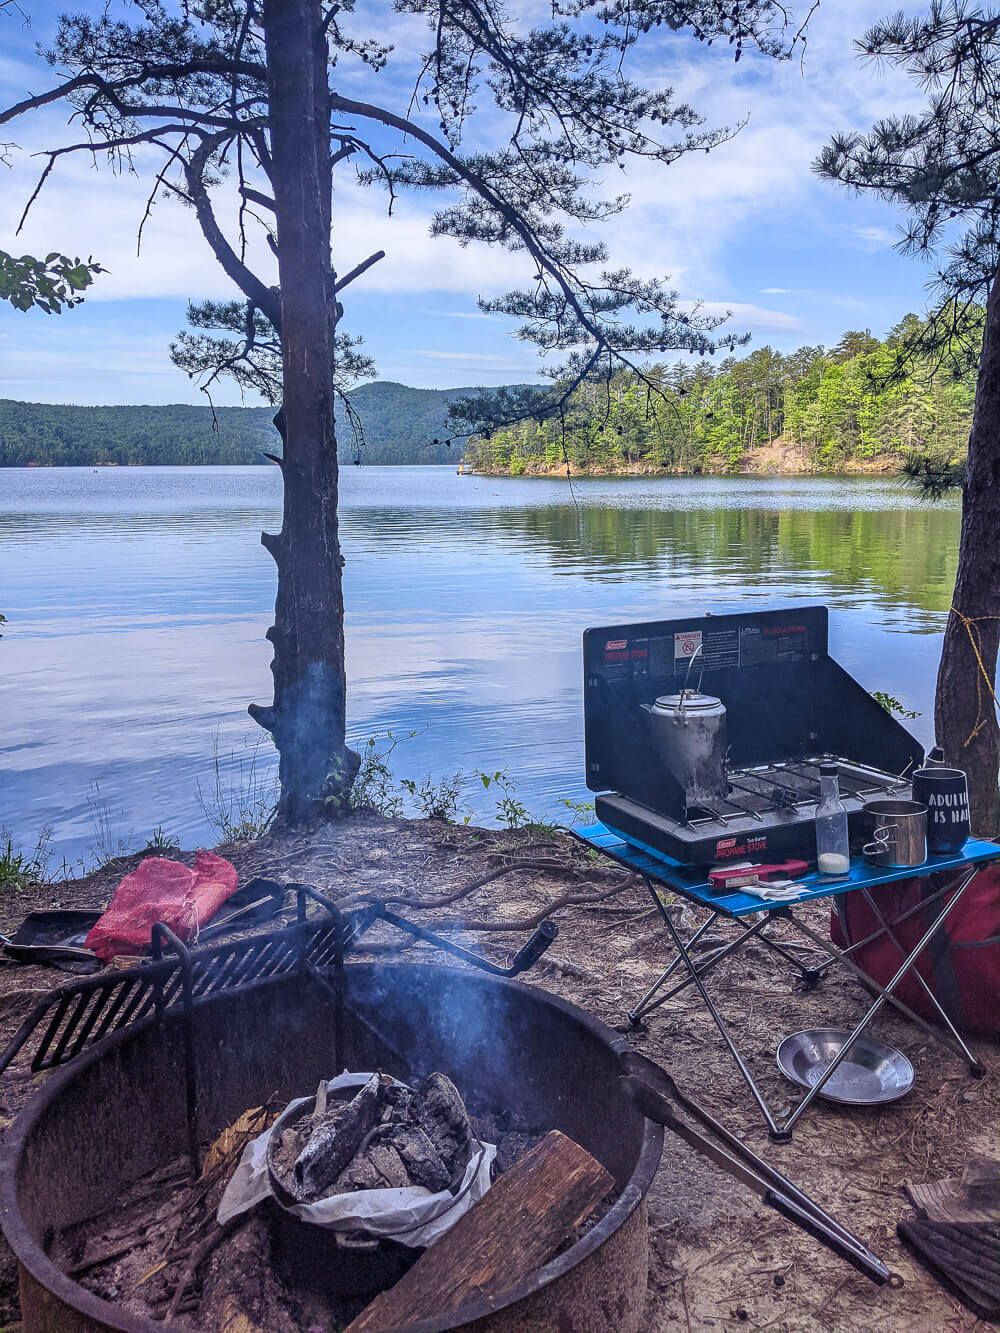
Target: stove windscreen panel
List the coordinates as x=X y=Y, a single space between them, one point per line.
x=786 y=699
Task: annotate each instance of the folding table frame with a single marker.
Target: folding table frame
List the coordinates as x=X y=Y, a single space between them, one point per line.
x=660 y=872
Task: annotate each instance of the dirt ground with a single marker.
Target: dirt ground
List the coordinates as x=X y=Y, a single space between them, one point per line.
x=719 y=1258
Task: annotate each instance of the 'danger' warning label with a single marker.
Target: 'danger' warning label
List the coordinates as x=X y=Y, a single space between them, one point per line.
x=719 y=649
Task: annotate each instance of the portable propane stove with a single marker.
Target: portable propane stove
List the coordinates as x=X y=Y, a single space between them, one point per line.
x=787 y=706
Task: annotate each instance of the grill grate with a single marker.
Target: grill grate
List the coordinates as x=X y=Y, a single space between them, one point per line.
x=764 y=789
x=85 y=1011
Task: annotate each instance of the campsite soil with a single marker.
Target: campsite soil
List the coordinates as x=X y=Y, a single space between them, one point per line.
x=719 y=1258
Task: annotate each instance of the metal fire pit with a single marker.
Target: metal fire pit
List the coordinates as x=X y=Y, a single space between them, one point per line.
x=119 y=1111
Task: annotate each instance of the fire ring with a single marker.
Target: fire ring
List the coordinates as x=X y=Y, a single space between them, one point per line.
x=119 y=1110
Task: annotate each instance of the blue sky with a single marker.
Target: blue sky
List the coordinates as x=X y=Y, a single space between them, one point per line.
x=747 y=228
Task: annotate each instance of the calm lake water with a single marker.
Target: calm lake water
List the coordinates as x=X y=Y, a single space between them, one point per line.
x=137 y=602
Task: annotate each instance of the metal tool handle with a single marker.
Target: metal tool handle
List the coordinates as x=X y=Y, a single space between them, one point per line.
x=654 y=1092
x=530 y=952
x=856 y=1258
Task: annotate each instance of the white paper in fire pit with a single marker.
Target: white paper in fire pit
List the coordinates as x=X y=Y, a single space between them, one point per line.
x=413 y=1216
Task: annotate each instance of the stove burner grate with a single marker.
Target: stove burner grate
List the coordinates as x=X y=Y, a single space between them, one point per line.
x=762 y=790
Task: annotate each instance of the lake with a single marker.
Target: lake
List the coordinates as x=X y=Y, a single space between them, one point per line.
x=137 y=601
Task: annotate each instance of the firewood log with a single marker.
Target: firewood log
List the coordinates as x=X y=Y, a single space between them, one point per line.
x=517 y=1226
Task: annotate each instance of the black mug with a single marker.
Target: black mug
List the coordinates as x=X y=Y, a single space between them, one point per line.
x=945 y=792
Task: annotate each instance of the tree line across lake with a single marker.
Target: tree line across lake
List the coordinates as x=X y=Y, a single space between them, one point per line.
x=864 y=404
x=401 y=425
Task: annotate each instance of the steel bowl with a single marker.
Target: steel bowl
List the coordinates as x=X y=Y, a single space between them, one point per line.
x=871 y=1073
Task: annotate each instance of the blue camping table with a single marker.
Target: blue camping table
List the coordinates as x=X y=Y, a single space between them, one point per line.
x=659 y=871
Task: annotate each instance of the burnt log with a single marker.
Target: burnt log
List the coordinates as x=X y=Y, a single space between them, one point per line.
x=334 y=1137
x=517 y=1226
x=421 y=1159
x=440 y=1112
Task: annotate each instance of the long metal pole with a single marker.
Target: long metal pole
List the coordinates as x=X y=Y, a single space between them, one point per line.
x=866 y=980
x=636 y=1013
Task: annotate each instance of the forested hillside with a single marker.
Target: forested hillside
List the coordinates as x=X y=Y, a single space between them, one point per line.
x=815 y=409
x=399 y=426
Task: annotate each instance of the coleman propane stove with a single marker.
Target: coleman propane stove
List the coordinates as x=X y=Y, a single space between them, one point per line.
x=704 y=735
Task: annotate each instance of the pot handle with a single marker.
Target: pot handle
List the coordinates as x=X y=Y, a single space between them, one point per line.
x=882 y=841
x=687 y=677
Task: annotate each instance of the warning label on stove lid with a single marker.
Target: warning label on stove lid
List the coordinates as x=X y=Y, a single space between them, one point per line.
x=719 y=649
x=760 y=644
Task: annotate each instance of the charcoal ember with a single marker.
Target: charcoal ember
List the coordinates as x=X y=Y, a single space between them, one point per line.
x=334 y=1138
x=397 y=1099
x=378 y=1166
x=421 y=1159
x=440 y=1112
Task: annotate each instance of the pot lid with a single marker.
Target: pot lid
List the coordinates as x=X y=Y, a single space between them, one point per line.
x=688 y=701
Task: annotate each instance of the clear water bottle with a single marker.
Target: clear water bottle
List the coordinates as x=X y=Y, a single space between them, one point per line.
x=833 y=851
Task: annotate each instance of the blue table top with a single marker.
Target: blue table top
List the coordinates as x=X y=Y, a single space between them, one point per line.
x=690 y=881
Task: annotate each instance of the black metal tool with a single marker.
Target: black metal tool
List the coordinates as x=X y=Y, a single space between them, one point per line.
x=525 y=957
x=82 y=1012
x=356 y=923
x=656 y=1095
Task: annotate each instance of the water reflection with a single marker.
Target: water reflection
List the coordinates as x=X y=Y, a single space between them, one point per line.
x=138 y=599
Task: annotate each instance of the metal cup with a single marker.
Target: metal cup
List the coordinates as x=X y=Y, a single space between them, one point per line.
x=945 y=792
x=898 y=831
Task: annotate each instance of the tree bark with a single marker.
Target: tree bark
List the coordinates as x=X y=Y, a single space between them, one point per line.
x=307 y=717
x=965 y=712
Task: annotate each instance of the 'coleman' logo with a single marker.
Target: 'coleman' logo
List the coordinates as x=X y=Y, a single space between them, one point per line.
x=727 y=848
x=615 y=645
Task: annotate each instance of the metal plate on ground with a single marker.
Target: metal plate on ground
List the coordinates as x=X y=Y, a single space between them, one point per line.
x=871 y=1073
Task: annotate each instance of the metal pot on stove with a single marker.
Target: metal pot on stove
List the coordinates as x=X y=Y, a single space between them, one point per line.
x=689 y=732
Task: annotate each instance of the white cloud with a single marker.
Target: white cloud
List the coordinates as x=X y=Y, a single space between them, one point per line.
x=460 y=314
x=748 y=315
x=876 y=238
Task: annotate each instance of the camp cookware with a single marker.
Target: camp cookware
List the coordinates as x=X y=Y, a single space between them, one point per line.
x=872 y=1071
x=689 y=732
x=898 y=831
x=790 y=707
x=945 y=792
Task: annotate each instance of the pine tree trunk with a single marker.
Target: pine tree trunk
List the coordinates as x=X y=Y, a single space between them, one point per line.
x=965 y=714
x=307 y=717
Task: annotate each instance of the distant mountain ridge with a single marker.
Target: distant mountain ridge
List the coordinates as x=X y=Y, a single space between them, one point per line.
x=400 y=425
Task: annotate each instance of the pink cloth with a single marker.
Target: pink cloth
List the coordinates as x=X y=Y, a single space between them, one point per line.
x=182 y=897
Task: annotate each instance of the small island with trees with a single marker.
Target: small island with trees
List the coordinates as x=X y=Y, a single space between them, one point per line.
x=863 y=406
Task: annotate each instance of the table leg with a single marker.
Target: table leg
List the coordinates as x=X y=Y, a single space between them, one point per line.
x=643 y=1007
x=841 y=957
x=921 y=906
x=811 y=976
x=919 y=976
x=775 y=1129
x=885 y=996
